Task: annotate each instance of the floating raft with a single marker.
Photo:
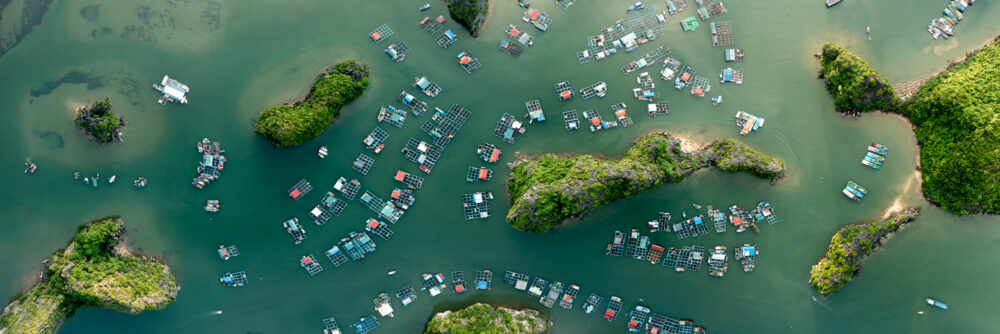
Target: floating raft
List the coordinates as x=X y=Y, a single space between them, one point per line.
x=722 y=33
x=397 y=52
x=372 y=201
x=689 y=24
x=637 y=317
x=765 y=210
x=433 y=283
x=406 y=295
x=670 y=68
x=535 y=113
x=718 y=261
x=516 y=280
x=592 y=303
x=614 y=306
x=311 y=265
x=599 y=89
x=476 y=205
x=300 y=189
x=571 y=120
x=227 y=252
x=566 y=302
x=695 y=257
x=366 y=324
x=746 y=255
x=410 y=180
x=715 y=8
x=631 y=242
x=508 y=126
x=336 y=256
x=649 y=59
x=621 y=113
x=443 y=126
x=520 y=36
x=295 y=229
x=363 y=163
x=236 y=279
x=320 y=215
x=596 y=122
x=675 y=6
x=424 y=154
x=563 y=90
x=684 y=79
x=549 y=299
x=383 y=305
x=718 y=219
x=564 y=4
x=488 y=152
x=655 y=253
x=484 y=279
x=392 y=115
x=748 y=122
x=380 y=34
x=661 y=223
x=617 y=245
x=446 y=39
x=426 y=86
x=348 y=188
x=730 y=75
x=378 y=228
x=658 y=108
x=693 y=227
x=416 y=106
x=458 y=281
x=638 y=27
x=375 y=141
x=330 y=326
x=537 y=287
x=402 y=198
x=732 y=55
x=642 y=248
x=700 y=86
x=510 y=48
x=468 y=62
x=432 y=26
x=537 y=18
x=478 y=173
x=333 y=204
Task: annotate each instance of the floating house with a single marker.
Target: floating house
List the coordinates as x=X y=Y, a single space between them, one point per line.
x=446 y=39
x=320 y=215
x=596 y=122
x=621 y=113
x=375 y=141
x=410 y=180
x=718 y=261
x=379 y=228
x=684 y=79
x=730 y=75
x=406 y=295
x=571 y=120
x=172 y=90
x=402 y=198
x=426 y=86
x=516 y=280
x=700 y=86
x=476 y=205
x=592 y=303
x=416 y=106
x=236 y=279
x=537 y=18
x=563 y=90
x=348 y=188
x=488 y=152
x=746 y=255
x=537 y=287
x=333 y=204
x=458 y=281
x=383 y=305
x=658 y=108
x=519 y=36
x=432 y=26
x=732 y=55
x=392 y=115
x=478 y=174
x=569 y=295
x=397 y=52
x=748 y=122
x=484 y=279
x=295 y=230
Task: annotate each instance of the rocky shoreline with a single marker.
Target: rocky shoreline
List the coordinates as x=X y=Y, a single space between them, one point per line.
x=98 y=121
x=851 y=245
x=483 y=318
x=551 y=188
x=471 y=14
x=96 y=269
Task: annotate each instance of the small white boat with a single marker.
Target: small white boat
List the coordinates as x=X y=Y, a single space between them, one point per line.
x=112 y=179
x=322 y=152
x=393 y=272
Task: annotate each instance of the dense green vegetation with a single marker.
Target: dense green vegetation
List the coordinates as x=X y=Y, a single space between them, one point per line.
x=100 y=122
x=290 y=125
x=551 y=188
x=854 y=85
x=485 y=319
x=955 y=117
x=471 y=14
x=850 y=246
x=96 y=270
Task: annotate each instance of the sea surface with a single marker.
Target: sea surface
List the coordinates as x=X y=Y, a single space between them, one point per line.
x=240 y=57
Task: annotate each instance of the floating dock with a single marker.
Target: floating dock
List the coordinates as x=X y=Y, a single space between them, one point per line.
x=426 y=86
x=397 y=52
x=319 y=215
x=569 y=295
x=381 y=33
x=375 y=141
x=718 y=261
x=599 y=89
x=563 y=90
x=747 y=122
x=478 y=174
x=295 y=229
x=488 y=152
x=746 y=255
x=330 y=326
x=649 y=59
x=363 y=163
x=226 y=253
x=366 y=324
x=596 y=122
x=383 y=305
x=592 y=303
x=311 y=265
x=722 y=33
x=614 y=306
x=333 y=204
x=571 y=120
x=537 y=287
x=406 y=295
x=549 y=299
x=443 y=126
x=458 y=281
x=411 y=181
x=508 y=126
x=236 y=279
x=446 y=39
x=468 y=62
x=422 y=153
x=348 y=188
x=392 y=115
x=732 y=55
x=484 y=278
x=516 y=280
x=378 y=228
x=730 y=75
x=336 y=256
x=416 y=106
x=476 y=205
x=432 y=26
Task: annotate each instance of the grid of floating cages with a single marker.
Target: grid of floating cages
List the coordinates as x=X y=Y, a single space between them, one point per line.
x=700 y=86
x=564 y=4
x=446 y=39
x=507 y=127
x=330 y=325
x=424 y=154
x=564 y=91
x=378 y=228
x=426 y=86
x=510 y=48
x=336 y=256
x=375 y=140
x=311 y=265
x=416 y=106
x=363 y=163
x=443 y=126
x=535 y=113
x=432 y=26
x=519 y=35
x=333 y=204
x=320 y=215
x=372 y=201
x=484 y=279
x=722 y=33
x=380 y=34
x=488 y=152
x=410 y=180
x=397 y=52
x=599 y=89
x=676 y=6
x=402 y=198
x=640 y=22
x=468 y=62
x=651 y=58
x=366 y=324
x=348 y=188
x=621 y=113
x=476 y=205
x=659 y=108
x=571 y=119
x=478 y=174
x=236 y=279
x=406 y=295
x=392 y=115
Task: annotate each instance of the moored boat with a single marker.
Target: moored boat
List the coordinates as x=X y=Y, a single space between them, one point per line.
x=937 y=303
x=426 y=6
x=831 y=3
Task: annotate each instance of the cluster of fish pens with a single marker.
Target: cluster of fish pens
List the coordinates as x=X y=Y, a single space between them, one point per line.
x=211 y=164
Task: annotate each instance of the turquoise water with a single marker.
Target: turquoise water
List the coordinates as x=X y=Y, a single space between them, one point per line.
x=242 y=57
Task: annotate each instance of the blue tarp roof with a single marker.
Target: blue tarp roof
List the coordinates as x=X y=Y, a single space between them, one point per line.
x=449 y=34
x=408 y=98
x=697 y=220
x=481 y=285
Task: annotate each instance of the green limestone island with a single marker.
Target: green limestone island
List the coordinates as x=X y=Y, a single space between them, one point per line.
x=854 y=85
x=551 y=188
x=290 y=125
x=471 y=14
x=485 y=319
x=95 y=270
x=953 y=116
x=851 y=245
x=98 y=121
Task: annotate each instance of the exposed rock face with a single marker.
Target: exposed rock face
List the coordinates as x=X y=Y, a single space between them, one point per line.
x=471 y=14
x=551 y=188
x=485 y=319
x=96 y=270
x=851 y=245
